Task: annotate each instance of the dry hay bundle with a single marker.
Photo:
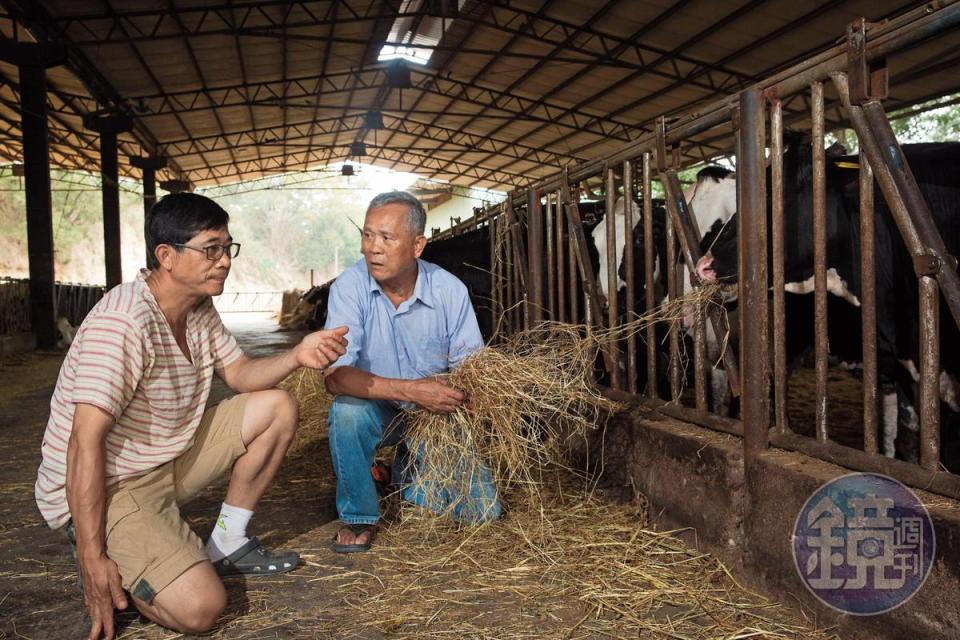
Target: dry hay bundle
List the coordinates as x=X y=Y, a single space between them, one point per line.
x=526 y=397
x=296 y=318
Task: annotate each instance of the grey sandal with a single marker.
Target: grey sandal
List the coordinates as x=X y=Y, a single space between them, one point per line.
x=255 y=559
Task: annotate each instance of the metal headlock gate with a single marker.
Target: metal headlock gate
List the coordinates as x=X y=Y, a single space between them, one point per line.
x=71 y=300
x=540 y=268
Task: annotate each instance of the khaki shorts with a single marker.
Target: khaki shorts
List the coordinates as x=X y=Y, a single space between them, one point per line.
x=146 y=537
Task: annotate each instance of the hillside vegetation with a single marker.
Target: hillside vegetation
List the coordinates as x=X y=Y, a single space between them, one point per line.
x=287 y=227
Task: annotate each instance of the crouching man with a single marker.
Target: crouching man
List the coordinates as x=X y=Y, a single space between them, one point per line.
x=409 y=320
x=128 y=440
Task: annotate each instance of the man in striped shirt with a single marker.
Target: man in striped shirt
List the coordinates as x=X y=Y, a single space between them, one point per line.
x=128 y=439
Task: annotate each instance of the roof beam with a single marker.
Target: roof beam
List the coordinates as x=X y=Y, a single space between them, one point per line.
x=313 y=88
x=196 y=65
x=730 y=17
x=39 y=22
x=311 y=130
x=153 y=78
x=415 y=161
x=211 y=22
x=549 y=57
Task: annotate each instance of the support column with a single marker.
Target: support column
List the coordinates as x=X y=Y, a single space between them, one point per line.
x=148 y=166
x=108 y=127
x=32 y=60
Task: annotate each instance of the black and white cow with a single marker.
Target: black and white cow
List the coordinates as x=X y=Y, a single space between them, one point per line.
x=713 y=197
x=937 y=169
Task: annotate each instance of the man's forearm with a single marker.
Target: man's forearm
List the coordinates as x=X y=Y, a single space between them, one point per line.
x=257 y=374
x=86 y=495
x=358 y=383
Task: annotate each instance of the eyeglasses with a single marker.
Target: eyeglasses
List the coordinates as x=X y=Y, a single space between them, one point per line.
x=215 y=251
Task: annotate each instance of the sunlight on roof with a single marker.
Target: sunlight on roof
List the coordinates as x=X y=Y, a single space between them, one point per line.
x=410 y=54
x=410 y=34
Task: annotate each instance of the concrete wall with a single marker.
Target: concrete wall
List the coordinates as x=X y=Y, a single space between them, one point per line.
x=693 y=477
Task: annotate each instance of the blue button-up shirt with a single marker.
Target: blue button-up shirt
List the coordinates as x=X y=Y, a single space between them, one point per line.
x=429 y=333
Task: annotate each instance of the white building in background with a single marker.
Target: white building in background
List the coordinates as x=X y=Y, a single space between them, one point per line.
x=449 y=204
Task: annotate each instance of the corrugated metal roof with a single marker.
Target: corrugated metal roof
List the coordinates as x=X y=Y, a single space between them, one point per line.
x=232 y=90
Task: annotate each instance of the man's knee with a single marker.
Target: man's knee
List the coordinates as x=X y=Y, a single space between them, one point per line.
x=349 y=416
x=287 y=412
x=276 y=410
x=200 y=614
x=191 y=603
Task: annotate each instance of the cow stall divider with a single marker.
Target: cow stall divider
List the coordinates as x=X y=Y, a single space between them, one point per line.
x=541 y=268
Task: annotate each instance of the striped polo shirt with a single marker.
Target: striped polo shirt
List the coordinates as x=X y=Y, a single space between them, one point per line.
x=126 y=361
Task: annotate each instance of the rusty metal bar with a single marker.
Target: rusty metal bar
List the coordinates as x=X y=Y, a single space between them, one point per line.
x=681 y=217
x=611 y=274
x=561 y=262
x=575 y=225
x=495 y=290
x=752 y=232
x=549 y=223
x=609 y=219
x=708 y=420
x=510 y=312
x=700 y=356
x=819 y=259
x=929 y=383
x=649 y=253
x=518 y=267
x=868 y=306
x=534 y=306
x=945 y=484
x=916 y=206
x=631 y=277
x=674 y=326
x=576 y=293
x=909 y=210
x=779 y=306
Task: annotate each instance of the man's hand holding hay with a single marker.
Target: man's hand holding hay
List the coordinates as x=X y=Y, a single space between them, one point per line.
x=435 y=394
x=410 y=322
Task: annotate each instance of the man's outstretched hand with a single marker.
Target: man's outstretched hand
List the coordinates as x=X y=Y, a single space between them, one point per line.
x=435 y=394
x=321 y=349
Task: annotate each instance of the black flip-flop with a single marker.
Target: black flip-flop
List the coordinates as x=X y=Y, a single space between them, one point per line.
x=356 y=529
x=254 y=559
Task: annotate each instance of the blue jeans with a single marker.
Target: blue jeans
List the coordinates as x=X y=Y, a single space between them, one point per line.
x=358 y=427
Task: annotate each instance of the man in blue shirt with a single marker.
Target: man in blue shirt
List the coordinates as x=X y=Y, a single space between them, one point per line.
x=409 y=321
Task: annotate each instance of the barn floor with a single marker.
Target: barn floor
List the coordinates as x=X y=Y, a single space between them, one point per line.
x=571 y=575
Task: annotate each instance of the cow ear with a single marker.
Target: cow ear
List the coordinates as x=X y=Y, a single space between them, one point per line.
x=836 y=150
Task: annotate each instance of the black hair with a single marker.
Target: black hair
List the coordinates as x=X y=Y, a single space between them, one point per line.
x=176 y=218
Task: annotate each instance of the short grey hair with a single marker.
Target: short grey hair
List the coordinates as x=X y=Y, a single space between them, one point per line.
x=416 y=218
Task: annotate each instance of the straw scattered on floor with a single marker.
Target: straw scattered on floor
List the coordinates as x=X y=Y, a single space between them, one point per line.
x=561 y=563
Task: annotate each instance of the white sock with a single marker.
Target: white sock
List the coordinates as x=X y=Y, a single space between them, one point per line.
x=229 y=532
